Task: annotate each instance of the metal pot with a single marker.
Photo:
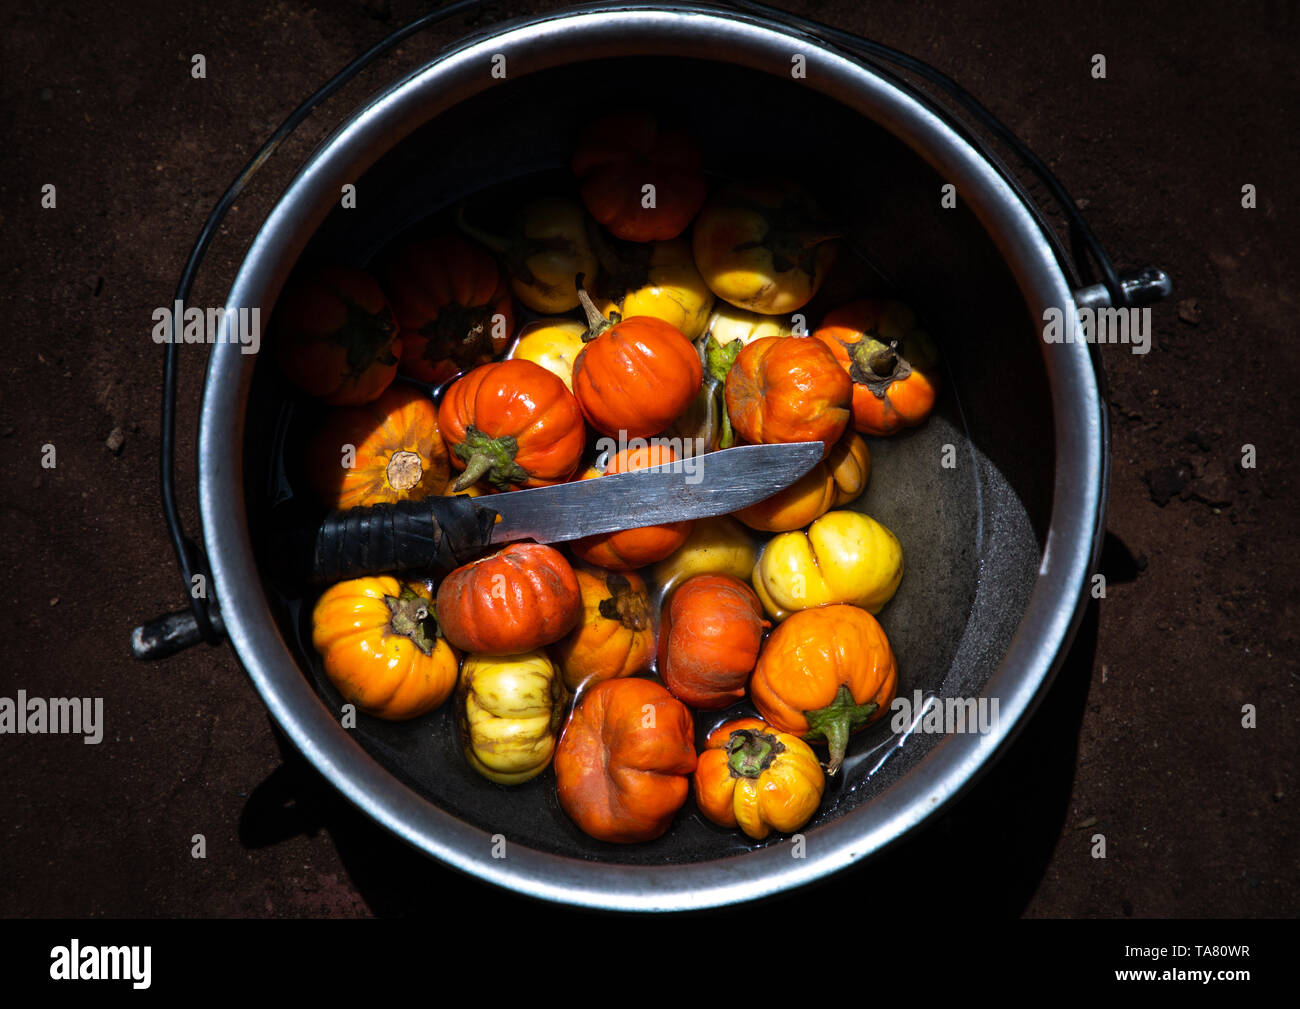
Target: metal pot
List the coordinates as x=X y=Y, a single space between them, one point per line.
x=999 y=500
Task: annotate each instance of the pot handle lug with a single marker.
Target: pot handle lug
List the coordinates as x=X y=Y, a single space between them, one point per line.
x=1141 y=287
x=164 y=636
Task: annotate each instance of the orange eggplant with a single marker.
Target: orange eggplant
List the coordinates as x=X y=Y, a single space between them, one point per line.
x=709 y=639
x=381 y=647
x=393 y=445
x=518 y=599
x=614 y=637
x=892 y=362
x=623 y=766
x=335 y=336
x=512 y=423
x=788 y=388
x=823 y=674
x=750 y=775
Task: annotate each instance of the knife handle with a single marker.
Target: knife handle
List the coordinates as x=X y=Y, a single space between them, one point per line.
x=436 y=534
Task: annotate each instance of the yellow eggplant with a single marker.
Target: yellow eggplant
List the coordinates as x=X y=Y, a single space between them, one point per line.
x=843 y=557
x=510 y=709
x=765 y=247
x=548 y=247
x=658 y=279
x=727 y=323
x=553 y=343
x=718 y=546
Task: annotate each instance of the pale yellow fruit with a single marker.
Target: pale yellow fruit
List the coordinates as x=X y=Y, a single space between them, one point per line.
x=552 y=343
x=719 y=545
x=843 y=557
x=511 y=708
x=728 y=323
x=671 y=289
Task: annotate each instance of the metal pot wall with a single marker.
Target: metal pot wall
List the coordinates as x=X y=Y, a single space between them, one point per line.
x=999 y=500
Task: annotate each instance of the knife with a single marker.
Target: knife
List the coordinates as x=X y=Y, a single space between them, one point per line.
x=442 y=533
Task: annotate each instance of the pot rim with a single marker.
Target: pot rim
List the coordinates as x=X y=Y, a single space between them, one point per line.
x=1057 y=600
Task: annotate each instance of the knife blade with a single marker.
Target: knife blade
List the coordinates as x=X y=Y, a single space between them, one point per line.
x=696 y=487
x=443 y=533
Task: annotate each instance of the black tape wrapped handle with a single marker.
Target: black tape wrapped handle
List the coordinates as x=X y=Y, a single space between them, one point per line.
x=435 y=535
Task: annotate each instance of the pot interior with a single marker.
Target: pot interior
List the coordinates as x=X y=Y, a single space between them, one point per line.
x=968 y=494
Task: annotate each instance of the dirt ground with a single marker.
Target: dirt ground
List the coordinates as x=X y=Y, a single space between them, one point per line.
x=1141 y=739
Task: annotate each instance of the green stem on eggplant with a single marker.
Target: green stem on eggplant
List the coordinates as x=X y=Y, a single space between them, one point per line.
x=488 y=458
x=835 y=722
